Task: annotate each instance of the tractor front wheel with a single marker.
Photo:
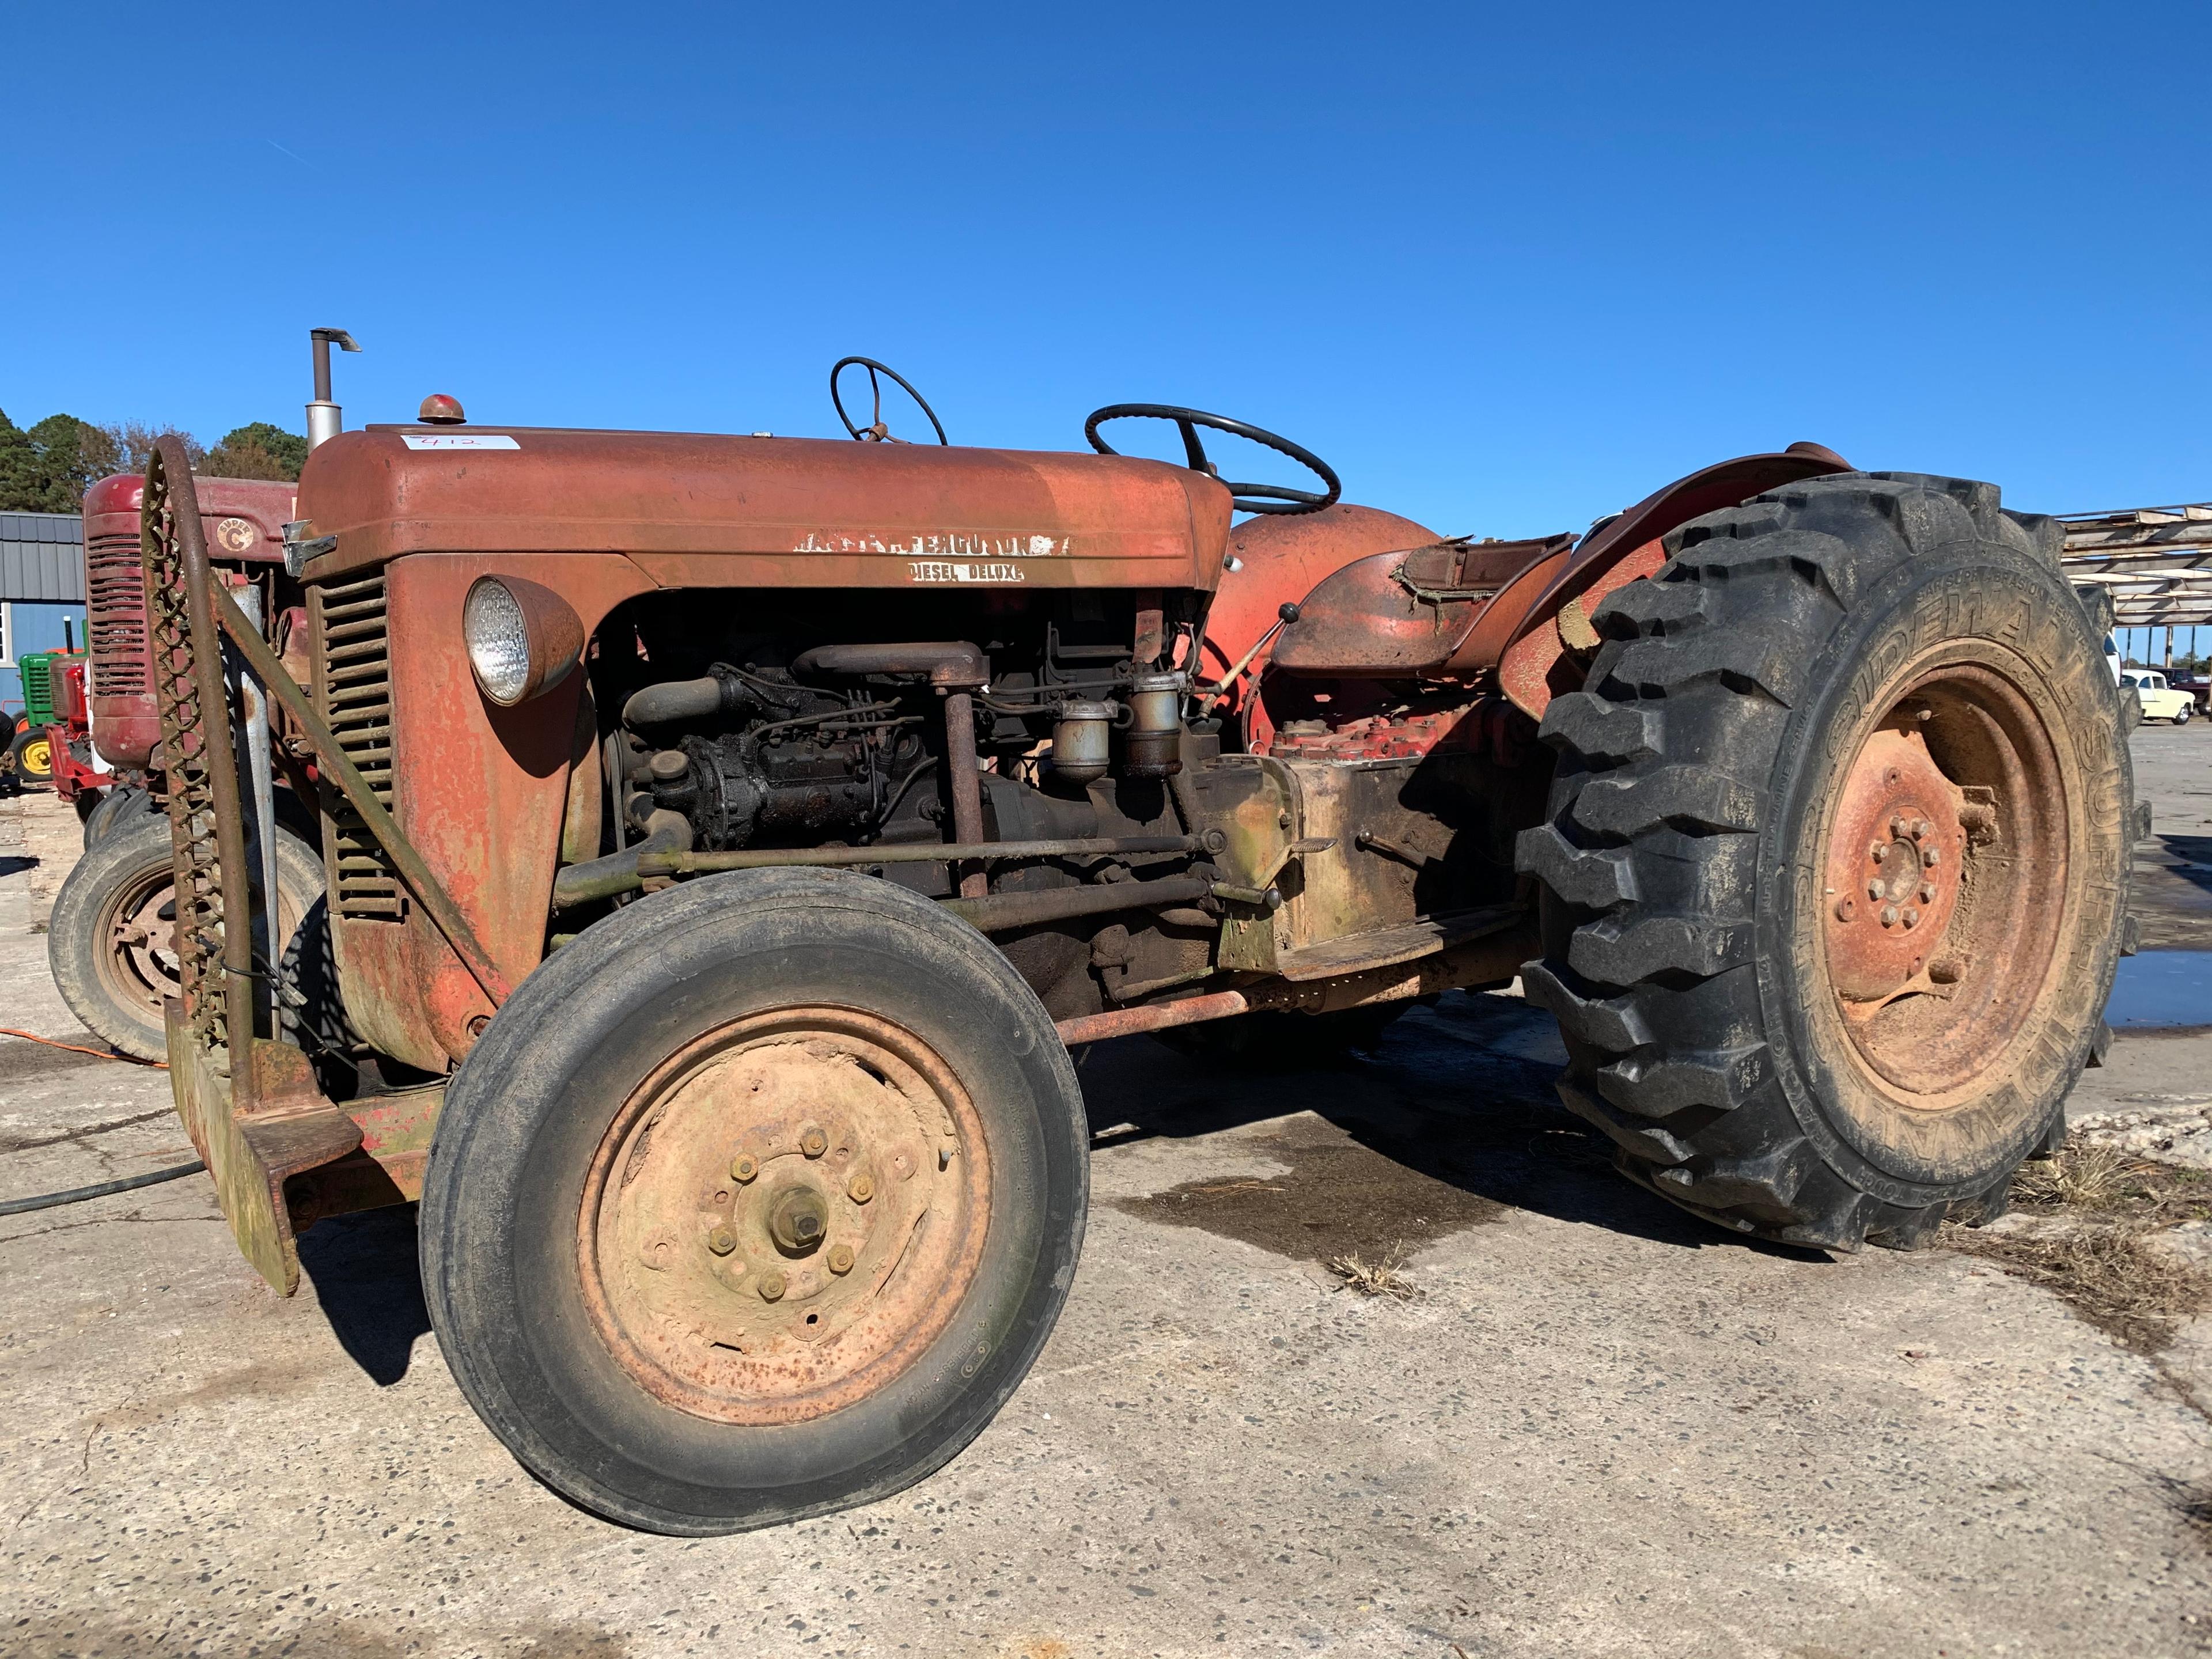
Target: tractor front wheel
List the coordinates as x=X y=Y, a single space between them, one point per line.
x=110 y=941
x=34 y=754
x=755 y=1201
x=1836 y=866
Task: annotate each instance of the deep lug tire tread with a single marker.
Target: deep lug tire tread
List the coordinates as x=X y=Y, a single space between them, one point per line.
x=1648 y=864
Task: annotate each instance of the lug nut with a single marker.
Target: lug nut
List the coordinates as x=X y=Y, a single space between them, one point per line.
x=1931 y=857
x=744 y=1167
x=1921 y=830
x=863 y=1188
x=1846 y=909
x=721 y=1241
x=1911 y=917
x=771 y=1287
x=1927 y=892
x=813 y=1142
x=1876 y=889
x=841 y=1259
x=1878 y=850
x=1897 y=826
x=1889 y=916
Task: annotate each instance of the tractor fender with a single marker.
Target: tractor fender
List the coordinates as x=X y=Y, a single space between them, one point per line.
x=1526 y=647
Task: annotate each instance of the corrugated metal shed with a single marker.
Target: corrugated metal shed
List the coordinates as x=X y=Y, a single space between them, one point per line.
x=42 y=558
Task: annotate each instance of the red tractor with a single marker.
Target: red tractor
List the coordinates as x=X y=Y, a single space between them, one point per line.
x=727 y=837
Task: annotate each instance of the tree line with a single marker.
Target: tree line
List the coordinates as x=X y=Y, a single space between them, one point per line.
x=46 y=468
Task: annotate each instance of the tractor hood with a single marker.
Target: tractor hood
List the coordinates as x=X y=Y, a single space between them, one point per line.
x=702 y=510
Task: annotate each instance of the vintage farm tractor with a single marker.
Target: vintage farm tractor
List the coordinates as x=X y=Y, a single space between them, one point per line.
x=727 y=837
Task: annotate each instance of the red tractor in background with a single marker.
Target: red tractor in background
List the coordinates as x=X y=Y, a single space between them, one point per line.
x=110 y=940
x=727 y=837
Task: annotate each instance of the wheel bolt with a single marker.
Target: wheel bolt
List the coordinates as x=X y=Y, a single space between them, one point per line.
x=1889 y=916
x=1846 y=909
x=813 y=1142
x=744 y=1167
x=1876 y=889
x=721 y=1241
x=1878 y=850
x=863 y=1188
x=1927 y=892
x=1922 y=829
x=771 y=1287
x=1931 y=857
x=841 y=1259
x=1911 y=917
x=1897 y=826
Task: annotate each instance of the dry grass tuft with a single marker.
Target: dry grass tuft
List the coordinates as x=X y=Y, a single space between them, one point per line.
x=1380 y=1277
x=2112 y=1277
x=2105 y=1265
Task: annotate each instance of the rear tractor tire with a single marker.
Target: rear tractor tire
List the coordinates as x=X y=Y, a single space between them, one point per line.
x=754 y=1202
x=1837 y=864
x=110 y=941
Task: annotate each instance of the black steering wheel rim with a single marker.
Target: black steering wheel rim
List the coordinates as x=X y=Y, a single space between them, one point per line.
x=876 y=431
x=1244 y=498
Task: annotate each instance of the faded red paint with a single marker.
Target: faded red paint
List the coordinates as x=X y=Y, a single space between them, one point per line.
x=702 y=510
x=243 y=520
x=1531 y=672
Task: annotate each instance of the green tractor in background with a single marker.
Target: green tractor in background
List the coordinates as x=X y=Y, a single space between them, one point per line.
x=30 y=753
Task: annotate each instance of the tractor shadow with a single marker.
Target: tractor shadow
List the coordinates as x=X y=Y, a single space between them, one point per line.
x=1451 y=1123
x=366 y=1270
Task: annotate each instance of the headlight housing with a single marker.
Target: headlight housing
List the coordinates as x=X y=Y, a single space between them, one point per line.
x=523 y=639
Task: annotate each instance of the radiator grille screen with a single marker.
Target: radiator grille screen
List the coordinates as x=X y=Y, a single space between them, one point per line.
x=353 y=690
x=115 y=615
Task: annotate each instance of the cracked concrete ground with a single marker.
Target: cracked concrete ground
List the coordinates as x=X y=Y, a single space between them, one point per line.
x=1602 y=1428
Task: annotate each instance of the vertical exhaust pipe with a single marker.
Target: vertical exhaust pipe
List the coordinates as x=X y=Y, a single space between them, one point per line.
x=324 y=418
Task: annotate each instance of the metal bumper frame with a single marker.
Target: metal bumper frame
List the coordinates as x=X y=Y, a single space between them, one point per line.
x=250 y=1103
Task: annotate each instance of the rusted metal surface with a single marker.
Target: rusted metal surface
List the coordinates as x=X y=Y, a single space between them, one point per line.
x=1518 y=615
x=966 y=782
x=784 y=1215
x=242 y=523
x=1894 y=857
x=762 y=858
x=1944 y=865
x=479 y=791
x=341 y=771
x=701 y=510
x=1551 y=657
x=1278 y=558
x=249 y=1104
x=1000 y=913
x=1403 y=614
x=1152 y=1016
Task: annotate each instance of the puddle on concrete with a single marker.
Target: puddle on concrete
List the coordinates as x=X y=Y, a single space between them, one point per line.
x=2161 y=989
x=1336 y=1197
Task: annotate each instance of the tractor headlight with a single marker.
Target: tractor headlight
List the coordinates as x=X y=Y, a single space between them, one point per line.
x=522 y=639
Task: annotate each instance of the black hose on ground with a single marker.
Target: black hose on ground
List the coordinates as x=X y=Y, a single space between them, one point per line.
x=107 y=1188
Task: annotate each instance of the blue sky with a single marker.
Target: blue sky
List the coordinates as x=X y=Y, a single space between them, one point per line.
x=1508 y=268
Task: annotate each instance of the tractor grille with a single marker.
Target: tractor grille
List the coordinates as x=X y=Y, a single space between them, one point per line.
x=115 y=615
x=353 y=690
x=38 y=694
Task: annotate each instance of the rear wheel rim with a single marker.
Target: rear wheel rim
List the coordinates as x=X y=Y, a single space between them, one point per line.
x=1945 y=862
x=784 y=1215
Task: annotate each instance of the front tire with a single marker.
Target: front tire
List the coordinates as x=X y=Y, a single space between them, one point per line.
x=1836 y=866
x=109 y=942
x=34 y=754
x=754 y=1202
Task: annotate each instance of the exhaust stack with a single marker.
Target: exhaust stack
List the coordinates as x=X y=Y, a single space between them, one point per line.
x=324 y=418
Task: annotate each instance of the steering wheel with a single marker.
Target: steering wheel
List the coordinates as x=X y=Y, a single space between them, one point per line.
x=1244 y=498
x=876 y=431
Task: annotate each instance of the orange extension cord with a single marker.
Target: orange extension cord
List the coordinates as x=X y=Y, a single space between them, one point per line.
x=97 y=1053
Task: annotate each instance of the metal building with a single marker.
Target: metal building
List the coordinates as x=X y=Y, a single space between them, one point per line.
x=41 y=588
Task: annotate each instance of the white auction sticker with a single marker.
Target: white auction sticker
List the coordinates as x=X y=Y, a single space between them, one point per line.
x=458 y=440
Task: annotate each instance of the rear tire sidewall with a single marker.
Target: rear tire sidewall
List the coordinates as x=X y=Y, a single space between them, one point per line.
x=1972 y=593
x=530 y=1105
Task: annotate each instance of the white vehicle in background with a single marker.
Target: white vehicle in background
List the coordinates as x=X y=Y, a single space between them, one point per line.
x=2161 y=701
